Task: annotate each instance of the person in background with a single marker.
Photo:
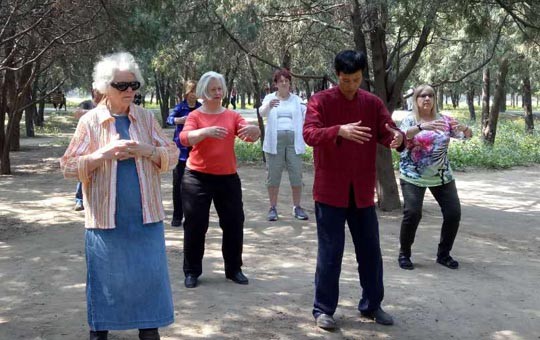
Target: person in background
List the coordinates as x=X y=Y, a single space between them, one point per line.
x=178 y=117
x=425 y=164
x=233 y=98
x=344 y=124
x=84 y=107
x=118 y=152
x=211 y=176
x=283 y=142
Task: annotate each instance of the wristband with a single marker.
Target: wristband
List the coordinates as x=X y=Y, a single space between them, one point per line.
x=419 y=126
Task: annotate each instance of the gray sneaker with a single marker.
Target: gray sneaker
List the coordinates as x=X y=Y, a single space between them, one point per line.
x=326 y=321
x=299 y=213
x=272 y=214
x=79 y=206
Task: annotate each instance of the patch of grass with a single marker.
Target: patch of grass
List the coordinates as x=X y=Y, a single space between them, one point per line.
x=248 y=152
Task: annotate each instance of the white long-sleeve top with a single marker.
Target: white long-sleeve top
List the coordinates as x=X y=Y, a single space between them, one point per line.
x=298 y=116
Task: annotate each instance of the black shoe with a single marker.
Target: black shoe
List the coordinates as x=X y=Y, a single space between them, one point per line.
x=149 y=334
x=325 y=321
x=379 y=316
x=176 y=223
x=99 y=335
x=238 y=277
x=191 y=281
x=448 y=262
x=405 y=262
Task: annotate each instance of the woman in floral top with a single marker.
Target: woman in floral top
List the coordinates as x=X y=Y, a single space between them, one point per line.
x=424 y=164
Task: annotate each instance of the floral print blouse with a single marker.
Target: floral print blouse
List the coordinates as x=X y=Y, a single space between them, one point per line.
x=424 y=162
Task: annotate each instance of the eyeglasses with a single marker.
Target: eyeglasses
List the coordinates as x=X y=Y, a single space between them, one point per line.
x=426 y=95
x=123 y=85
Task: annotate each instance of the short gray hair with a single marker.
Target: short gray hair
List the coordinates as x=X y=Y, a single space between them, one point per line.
x=204 y=82
x=106 y=68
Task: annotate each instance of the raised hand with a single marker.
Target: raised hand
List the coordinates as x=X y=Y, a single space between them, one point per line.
x=434 y=125
x=217 y=132
x=355 y=132
x=398 y=137
x=274 y=102
x=249 y=132
x=118 y=149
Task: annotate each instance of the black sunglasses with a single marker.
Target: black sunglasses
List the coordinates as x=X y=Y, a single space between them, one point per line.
x=426 y=95
x=123 y=85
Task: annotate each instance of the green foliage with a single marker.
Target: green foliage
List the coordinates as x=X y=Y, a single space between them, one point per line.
x=248 y=152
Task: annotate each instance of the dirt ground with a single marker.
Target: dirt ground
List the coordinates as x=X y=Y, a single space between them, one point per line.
x=495 y=294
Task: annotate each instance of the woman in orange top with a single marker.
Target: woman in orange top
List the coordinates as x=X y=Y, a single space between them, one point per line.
x=211 y=176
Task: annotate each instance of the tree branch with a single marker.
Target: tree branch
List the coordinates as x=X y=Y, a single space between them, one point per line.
x=484 y=63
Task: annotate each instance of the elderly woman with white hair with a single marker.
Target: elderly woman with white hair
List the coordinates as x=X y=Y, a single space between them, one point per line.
x=211 y=176
x=118 y=152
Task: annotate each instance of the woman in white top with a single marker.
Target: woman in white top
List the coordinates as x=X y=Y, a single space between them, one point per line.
x=283 y=143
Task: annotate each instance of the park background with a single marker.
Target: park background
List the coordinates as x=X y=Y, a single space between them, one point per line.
x=481 y=57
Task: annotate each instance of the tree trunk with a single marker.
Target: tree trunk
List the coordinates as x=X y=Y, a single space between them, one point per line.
x=470 y=103
x=387 y=191
x=527 y=98
x=485 y=98
x=257 y=104
x=454 y=96
x=502 y=107
x=162 y=95
x=440 y=99
x=40 y=118
x=243 y=101
x=249 y=97
x=490 y=131
x=359 y=44
x=29 y=115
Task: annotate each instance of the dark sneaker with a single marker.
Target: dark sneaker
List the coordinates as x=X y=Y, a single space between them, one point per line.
x=405 y=262
x=299 y=213
x=379 y=316
x=272 y=214
x=79 y=206
x=325 y=321
x=448 y=262
x=191 y=281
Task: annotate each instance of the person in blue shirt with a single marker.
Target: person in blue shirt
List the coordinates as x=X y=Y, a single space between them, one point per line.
x=178 y=117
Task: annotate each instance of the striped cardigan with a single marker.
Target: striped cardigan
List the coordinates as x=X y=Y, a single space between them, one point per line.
x=95 y=130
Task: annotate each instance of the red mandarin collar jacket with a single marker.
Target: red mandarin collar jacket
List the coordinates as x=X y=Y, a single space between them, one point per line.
x=340 y=163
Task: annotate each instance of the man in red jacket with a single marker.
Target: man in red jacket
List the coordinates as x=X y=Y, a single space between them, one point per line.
x=344 y=125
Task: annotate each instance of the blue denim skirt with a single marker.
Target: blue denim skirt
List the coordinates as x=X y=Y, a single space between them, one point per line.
x=127 y=279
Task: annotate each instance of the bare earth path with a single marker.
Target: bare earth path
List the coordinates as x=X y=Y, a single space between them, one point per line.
x=494 y=295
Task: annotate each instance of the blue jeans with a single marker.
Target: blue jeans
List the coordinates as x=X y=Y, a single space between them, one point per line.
x=364 y=228
x=78 y=193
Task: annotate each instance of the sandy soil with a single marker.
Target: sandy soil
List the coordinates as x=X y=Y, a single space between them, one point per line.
x=494 y=295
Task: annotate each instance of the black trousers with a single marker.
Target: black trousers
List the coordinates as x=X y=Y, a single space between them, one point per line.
x=413 y=197
x=198 y=192
x=178 y=173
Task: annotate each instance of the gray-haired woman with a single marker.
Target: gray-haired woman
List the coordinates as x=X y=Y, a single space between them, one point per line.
x=211 y=176
x=118 y=152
